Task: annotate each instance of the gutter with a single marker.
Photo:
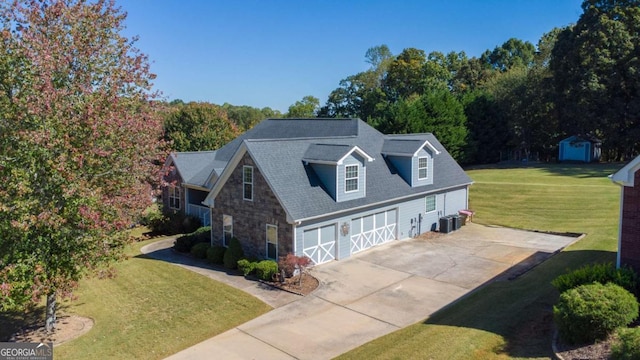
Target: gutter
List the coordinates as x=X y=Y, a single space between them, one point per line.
x=390 y=201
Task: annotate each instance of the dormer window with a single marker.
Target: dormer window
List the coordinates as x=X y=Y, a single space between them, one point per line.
x=351 y=178
x=423 y=163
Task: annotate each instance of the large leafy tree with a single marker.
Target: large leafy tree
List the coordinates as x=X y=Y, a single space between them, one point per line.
x=79 y=143
x=512 y=53
x=596 y=70
x=246 y=117
x=437 y=112
x=198 y=126
x=406 y=75
x=305 y=108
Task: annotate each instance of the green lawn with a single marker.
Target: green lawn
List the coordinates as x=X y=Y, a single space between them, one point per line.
x=512 y=319
x=153 y=309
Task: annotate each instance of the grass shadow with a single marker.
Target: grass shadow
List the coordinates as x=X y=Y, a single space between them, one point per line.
x=32 y=317
x=174 y=257
x=569 y=169
x=507 y=306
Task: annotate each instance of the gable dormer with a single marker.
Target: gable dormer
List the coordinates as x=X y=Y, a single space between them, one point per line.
x=342 y=169
x=413 y=158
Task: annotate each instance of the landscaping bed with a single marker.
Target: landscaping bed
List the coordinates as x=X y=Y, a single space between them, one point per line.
x=307 y=286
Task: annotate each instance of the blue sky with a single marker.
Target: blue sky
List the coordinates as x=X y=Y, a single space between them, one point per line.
x=273 y=53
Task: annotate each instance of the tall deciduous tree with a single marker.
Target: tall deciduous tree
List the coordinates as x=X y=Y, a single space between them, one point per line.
x=198 y=126
x=596 y=69
x=305 y=108
x=79 y=143
x=512 y=53
x=406 y=74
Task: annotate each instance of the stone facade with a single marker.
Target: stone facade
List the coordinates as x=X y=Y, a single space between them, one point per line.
x=172 y=178
x=630 y=225
x=250 y=218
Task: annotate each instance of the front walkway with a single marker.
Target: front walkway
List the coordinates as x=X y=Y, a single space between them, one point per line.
x=376 y=292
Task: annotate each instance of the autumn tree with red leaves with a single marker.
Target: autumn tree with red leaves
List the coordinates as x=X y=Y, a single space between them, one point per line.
x=79 y=140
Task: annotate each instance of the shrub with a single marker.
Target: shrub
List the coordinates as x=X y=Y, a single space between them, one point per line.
x=591 y=312
x=169 y=222
x=233 y=254
x=601 y=273
x=199 y=250
x=215 y=254
x=627 y=346
x=152 y=217
x=246 y=266
x=185 y=242
x=265 y=269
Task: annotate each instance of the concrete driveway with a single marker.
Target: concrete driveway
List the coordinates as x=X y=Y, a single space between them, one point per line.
x=382 y=290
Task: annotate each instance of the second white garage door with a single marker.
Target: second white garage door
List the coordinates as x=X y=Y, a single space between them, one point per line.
x=320 y=244
x=372 y=230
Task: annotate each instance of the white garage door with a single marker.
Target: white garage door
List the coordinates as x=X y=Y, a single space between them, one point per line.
x=372 y=230
x=320 y=244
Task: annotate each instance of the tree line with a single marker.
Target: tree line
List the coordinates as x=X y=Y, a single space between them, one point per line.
x=516 y=101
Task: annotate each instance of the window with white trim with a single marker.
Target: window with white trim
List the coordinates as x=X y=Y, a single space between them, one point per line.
x=423 y=163
x=351 y=178
x=227 y=229
x=430 y=203
x=174 y=197
x=272 y=241
x=247 y=183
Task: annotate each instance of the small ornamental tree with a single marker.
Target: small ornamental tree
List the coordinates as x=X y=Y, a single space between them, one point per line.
x=290 y=263
x=79 y=144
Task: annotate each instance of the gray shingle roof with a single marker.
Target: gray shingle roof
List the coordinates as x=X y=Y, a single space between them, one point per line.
x=326 y=152
x=278 y=147
x=195 y=167
x=401 y=146
x=297 y=186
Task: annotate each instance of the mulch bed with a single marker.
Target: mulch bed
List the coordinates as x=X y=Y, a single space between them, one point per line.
x=601 y=350
x=293 y=285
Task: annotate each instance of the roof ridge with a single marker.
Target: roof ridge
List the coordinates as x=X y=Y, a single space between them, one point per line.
x=407 y=135
x=192 y=152
x=302 y=138
x=314 y=118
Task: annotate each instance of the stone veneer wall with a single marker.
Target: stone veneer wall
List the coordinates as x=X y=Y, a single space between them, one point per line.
x=630 y=227
x=250 y=218
x=173 y=178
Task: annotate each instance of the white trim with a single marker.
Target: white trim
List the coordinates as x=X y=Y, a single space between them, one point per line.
x=172 y=189
x=341 y=160
x=357 y=178
x=244 y=167
x=266 y=238
x=225 y=241
x=426 y=168
x=435 y=203
x=359 y=151
x=627 y=173
x=228 y=170
x=295 y=234
x=618 y=256
x=427 y=143
x=390 y=202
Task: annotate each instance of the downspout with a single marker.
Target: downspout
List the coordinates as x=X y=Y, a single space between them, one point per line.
x=295 y=235
x=618 y=260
